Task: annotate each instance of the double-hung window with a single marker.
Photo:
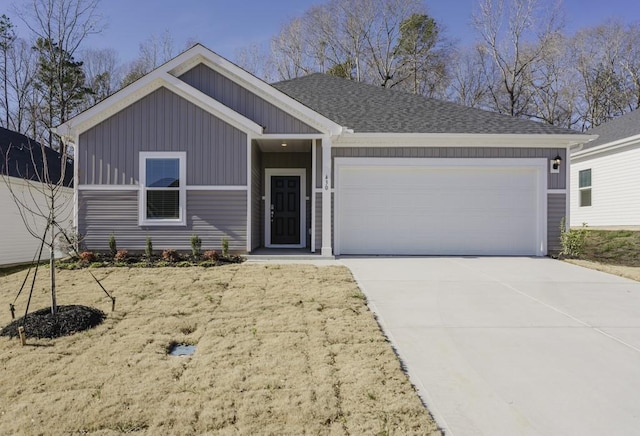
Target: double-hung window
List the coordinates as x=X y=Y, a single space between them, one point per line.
x=584 y=186
x=162 y=193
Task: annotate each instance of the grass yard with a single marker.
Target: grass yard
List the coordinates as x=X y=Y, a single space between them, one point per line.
x=281 y=349
x=612 y=251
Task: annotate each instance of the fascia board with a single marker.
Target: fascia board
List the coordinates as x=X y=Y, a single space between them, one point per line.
x=460 y=140
x=609 y=146
x=111 y=105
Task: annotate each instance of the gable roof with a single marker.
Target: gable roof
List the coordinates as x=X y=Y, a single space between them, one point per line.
x=373 y=109
x=166 y=76
x=24 y=159
x=625 y=126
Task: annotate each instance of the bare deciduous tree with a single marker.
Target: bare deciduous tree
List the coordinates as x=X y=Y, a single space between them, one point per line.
x=42 y=196
x=153 y=52
x=102 y=73
x=514 y=36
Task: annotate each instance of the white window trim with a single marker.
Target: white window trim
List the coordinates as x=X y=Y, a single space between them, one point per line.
x=142 y=197
x=584 y=188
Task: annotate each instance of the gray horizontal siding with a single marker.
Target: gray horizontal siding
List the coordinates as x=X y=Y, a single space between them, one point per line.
x=212 y=215
x=556 y=209
x=554 y=181
x=234 y=96
x=163 y=121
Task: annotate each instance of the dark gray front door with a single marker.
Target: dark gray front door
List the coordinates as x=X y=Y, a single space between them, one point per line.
x=285 y=210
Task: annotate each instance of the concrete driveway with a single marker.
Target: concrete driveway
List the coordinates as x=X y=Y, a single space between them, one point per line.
x=512 y=346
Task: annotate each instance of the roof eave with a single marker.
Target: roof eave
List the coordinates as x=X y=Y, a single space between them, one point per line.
x=609 y=146
x=373 y=139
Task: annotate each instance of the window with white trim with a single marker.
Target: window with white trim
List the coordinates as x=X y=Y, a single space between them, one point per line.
x=584 y=186
x=162 y=188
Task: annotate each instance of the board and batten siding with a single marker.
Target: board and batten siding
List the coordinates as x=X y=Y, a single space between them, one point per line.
x=243 y=101
x=554 y=181
x=212 y=215
x=615 y=197
x=163 y=121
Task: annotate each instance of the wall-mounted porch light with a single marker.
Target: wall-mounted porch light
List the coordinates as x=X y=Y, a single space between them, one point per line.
x=284 y=144
x=554 y=164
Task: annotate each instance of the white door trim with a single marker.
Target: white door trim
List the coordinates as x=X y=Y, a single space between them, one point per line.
x=539 y=164
x=270 y=172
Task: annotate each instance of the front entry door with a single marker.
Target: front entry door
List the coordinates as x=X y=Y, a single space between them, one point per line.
x=285 y=210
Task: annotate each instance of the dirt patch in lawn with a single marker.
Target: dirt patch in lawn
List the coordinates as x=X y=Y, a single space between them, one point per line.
x=288 y=349
x=630 y=272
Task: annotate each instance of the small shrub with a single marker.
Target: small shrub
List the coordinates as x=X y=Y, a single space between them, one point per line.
x=170 y=255
x=121 y=255
x=113 y=248
x=207 y=263
x=184 y=264
x=87 y=257
x=162 y=263
x=96 y=265
x=211 y=255
x=572 y=240
x=225 y=247
x=148 y=249
x=196 y=245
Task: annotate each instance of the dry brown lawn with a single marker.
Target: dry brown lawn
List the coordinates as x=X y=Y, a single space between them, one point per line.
x=281 y=349
x=630 y=272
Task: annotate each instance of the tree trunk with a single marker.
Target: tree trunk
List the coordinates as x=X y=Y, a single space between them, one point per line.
x=52 y=267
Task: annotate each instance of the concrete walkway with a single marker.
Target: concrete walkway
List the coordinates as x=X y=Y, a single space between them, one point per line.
x=512 y=346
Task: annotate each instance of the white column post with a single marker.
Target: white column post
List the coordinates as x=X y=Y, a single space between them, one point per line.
x=326 y=197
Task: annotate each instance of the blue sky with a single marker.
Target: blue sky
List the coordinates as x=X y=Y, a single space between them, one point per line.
x=227 y=25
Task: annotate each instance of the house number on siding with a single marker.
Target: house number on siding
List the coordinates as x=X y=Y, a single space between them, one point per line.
x=326 y=182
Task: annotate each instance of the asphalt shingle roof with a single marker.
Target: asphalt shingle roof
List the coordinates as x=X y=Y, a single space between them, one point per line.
x=20 y=163
x=373 y=109
x=618 y=128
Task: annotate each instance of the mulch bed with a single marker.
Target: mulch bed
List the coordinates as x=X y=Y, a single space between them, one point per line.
x=69 y=320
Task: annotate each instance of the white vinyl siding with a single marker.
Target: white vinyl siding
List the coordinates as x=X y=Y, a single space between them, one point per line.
x=615 y=190
x=18 y=245
x=441 y=206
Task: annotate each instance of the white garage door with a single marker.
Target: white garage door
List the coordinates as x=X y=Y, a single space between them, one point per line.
x=440 y=206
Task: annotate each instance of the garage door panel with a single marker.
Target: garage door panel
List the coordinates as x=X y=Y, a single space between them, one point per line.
x=438 y=210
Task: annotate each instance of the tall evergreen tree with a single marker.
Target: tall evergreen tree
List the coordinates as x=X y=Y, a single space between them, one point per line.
x=7 y=38
x=61 y=80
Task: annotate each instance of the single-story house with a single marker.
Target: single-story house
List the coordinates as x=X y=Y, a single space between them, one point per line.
x=21 y=175
x=200 y=146
x=605 y=176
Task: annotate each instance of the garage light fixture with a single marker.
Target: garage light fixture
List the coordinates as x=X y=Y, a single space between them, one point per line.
x=556 y=162
x=284 y=144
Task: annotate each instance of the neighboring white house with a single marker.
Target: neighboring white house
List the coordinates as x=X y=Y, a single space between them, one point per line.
x=605 y=176
x=19 y=168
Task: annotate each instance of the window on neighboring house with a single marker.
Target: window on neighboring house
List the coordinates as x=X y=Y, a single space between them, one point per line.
x=163 y=193
x=584 y=185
